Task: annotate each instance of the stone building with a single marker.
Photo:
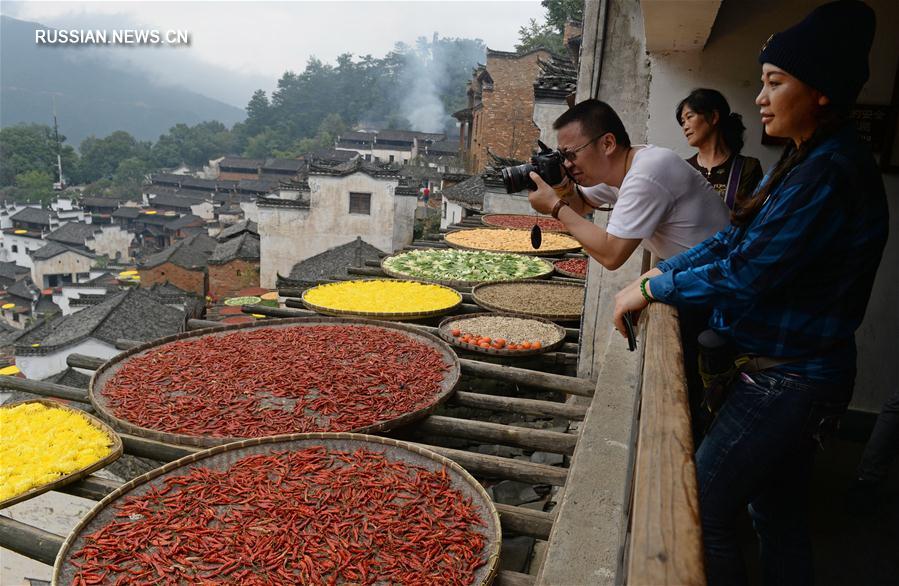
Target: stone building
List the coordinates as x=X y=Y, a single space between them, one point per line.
x=184 y=264
x=56 y=264
x=330 y=263
x=500 y=112
x=334 y=206
x=389 y=146
x=234 y=264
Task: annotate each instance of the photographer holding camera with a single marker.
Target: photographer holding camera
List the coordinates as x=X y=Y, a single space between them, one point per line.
x=658 y=198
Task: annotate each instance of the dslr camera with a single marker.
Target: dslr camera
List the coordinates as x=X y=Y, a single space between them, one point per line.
x=547 y=163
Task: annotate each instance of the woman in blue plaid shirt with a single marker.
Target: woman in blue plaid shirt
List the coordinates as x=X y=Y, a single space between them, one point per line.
x=788 y=282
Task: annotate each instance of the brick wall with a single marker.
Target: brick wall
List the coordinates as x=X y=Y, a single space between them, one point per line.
x=194 y=281
x=229 y=176
x=504 y=122
x=227 y=279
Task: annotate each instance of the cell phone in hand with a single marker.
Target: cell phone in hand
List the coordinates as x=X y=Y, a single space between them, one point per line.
x=629 y=329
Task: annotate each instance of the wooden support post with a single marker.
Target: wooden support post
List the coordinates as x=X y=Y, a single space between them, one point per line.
x=525 y=521
x=532 y=378
x=44 y=388
x=367 y=272
x=92 y=487
x=516 y=405
x=29 y=541
x=507 y=578
x=85 y=362
x=482 y=431
x=201 y=324
x=147 y=448
x=506 y=468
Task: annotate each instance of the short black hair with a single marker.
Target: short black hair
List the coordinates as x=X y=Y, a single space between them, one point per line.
x=596 y=118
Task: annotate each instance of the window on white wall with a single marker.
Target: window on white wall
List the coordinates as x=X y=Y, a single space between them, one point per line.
x=360 y=203
x=15 y=248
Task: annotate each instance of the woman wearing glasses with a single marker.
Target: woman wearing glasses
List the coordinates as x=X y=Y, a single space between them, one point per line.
x=659 y=200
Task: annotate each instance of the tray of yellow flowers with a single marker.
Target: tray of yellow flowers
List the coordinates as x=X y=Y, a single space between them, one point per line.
x=46 y=444
x=382 y=299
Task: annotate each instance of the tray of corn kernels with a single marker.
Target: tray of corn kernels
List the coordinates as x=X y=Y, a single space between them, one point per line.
x=46 y=445
x=510 y=240
x=382 y=298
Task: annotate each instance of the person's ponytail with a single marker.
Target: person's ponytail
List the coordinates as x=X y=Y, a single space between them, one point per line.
x=732 y=130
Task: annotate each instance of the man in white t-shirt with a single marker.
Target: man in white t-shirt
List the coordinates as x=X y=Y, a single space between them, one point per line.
x=658 y=198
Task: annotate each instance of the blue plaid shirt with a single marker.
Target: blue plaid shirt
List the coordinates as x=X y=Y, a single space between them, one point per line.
x=795 y=282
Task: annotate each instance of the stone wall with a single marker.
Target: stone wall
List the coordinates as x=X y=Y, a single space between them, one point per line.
x=227 y=279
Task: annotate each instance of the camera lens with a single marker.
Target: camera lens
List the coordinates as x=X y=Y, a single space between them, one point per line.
x=516 y=178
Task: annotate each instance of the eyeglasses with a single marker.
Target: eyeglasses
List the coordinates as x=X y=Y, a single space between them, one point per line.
x=571 y=156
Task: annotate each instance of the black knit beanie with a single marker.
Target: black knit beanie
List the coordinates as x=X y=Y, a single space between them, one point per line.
x=827 y=50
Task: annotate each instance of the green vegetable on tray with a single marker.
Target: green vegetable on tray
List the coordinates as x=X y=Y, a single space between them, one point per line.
x=465 y=265
x=237 y=301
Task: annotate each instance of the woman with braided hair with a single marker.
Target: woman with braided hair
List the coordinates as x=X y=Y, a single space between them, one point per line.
x=788 y=281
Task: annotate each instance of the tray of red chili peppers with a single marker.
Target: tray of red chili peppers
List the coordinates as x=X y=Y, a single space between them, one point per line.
x=299 y=375
x=576 y=268
x=302 y=509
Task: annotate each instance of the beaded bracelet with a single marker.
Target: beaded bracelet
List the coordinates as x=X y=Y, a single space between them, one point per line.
x=643 y=290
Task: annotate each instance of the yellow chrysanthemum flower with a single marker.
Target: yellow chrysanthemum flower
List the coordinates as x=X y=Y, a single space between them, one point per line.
x=382 y=296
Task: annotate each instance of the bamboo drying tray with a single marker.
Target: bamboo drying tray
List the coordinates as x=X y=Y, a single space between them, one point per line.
x=457 y=282
x=115 y=450
x=542 y=251
x=565 y=273
x=451 y=323
x=102 y=375
x=383 y=315
x=222 y=457
x=477 y=294
x=491 y=220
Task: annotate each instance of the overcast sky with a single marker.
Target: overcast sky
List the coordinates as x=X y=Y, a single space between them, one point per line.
x=264 y=39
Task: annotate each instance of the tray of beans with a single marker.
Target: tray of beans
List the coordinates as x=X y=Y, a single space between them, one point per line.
x=382 y=299
x=319 y=508
x=502 y=334
x=547 y=299
x=509 y=240
x=523 y=222
x=576 y=268
x=450 y=267
x=46 y=445
x=242 y=381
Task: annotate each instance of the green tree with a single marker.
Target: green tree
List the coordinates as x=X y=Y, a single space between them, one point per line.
x=100 y=157
x=558 y=12
x=36 y=186
x=549 y=33
x=131 y=172
x=32 y=147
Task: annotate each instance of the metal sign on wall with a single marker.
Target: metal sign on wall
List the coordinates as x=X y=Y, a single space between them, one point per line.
x=870 y=122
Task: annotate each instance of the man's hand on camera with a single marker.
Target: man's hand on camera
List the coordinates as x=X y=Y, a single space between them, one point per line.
x=544 y=198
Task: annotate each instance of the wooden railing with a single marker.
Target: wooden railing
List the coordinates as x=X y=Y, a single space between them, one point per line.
x=665 y=544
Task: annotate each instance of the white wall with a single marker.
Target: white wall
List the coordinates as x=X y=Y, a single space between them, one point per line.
x=729 y=64
x=67 y=263
x=23 y=245
x=545 y=113
x=38 y=367
x=204 y=210
x=112 y=241
x=250 y=211
x=454 y=213
x=500 y=202
x=290 y=235
x=66 y=294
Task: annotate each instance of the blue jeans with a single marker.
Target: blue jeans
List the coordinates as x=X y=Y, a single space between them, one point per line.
x=759 y=452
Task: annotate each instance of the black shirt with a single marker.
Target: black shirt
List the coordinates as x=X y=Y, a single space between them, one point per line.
x=717 y=176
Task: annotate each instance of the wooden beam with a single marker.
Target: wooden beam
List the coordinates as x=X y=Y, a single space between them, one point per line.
x=495 y=433
x=367 y=272
x=85 y=362
x=516 y=405
x=507 y=578
x=524 y=521
x=44 y=388
x=92 y=487
x=147 y=448
x=666 y=535
x=199 y=324
x=532 y=378
x=506 y=468
x=125 y=344
x=29 y=541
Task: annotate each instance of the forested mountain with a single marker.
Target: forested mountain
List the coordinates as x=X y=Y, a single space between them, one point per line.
x=92 y=98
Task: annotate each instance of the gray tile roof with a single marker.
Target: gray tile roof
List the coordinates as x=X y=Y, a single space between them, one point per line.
x=333 y=262
x=74 y=233
x=261 y=186
x=180 y=201
x=191 y=253
x=12 y=271
x=354 y=166
x=186 y=221
x=99 y=202
x=33 y=216
x=70 y=377
x=241 y=163
x=52 y=249
x=126 y=212
x=469 y=193
x=23 y=289
x=132 y=314
x=243 y=247
x=238 y=228
x=331 y=156
x=294 y=165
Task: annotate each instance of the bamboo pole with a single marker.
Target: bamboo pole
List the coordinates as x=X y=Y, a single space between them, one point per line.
x=29 y=541
x=532 y=378
x=525 y=521
x=85 y=362
x=520 y=437
x=506 y=468
x=516 y=405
